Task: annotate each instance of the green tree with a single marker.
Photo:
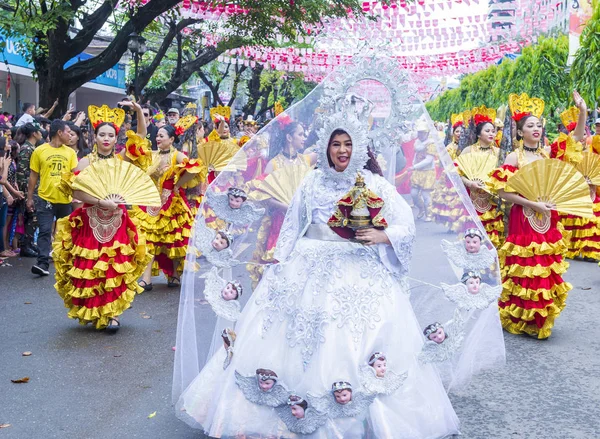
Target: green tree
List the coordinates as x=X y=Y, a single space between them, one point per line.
x=586 y=64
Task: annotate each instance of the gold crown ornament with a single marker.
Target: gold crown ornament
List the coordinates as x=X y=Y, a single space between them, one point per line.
x=277 y=108
x=569 y=118
x=456 y=120
x=185 y=123
x=104 y=113
x=466 y=115
x=483 y=114
x=522 y=105
x=222 y=111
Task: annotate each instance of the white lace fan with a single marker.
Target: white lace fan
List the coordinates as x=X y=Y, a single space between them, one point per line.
x=118 y=181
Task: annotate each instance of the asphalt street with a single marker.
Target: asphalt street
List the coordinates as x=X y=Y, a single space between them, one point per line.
x=86 y=384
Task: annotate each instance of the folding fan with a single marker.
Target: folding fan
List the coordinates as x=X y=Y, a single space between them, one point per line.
x=589 y=166
x=218 y=155
x=118 y=181
x=281 y=184
x=556 y=182
x=477 y=165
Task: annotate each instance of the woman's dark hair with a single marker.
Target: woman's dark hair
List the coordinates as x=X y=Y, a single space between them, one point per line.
x=100 y=125
x=371 y=164
x=44 y=137
x=14 y=151
x=29 y=130
x=170 y=131
x=280 y=141
x=521 y=123
x=19 y=136
x=479 y=128
x=82 y=147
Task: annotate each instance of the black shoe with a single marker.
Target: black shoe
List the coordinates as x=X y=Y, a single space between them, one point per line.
x=147 y=287
x=40 y=271
x=28 y=252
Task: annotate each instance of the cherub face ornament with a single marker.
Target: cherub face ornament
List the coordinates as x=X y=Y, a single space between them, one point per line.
x=220 y=242
x=235 y=202
x=298 y=411
x=343 y=397
x=229 y=292
x=472 y=244
x=380 y=366
x=473 y=285
x=438 y=336
x=266 y=385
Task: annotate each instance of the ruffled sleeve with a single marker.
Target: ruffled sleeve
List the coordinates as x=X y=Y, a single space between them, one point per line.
x=191 y=166
x=137 y=149
x=565 y=148
x=499 y=177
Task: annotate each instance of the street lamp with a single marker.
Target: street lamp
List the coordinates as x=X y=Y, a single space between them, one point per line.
x=137 y=46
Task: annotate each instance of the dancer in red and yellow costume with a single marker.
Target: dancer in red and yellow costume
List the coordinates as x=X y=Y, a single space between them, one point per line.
x=98 y=252
x=534 y=292
x=488 y=210
x=584 y=233
x=168 y=228
x=284 y=152
x=446 y=206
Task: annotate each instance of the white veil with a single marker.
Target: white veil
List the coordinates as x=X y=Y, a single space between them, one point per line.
x=383 y=95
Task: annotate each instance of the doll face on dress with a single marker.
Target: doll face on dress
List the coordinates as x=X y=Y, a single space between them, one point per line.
x=472 y=244
x=298 y=412
x=266 y=385
x=438 y=336
x=380 y=367
x=235 y=202
x=219 y=243
x=343 y=397
x=229 y=292
x=473 y=285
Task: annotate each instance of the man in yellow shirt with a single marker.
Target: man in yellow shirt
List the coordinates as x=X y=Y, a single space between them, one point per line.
x=47 y=163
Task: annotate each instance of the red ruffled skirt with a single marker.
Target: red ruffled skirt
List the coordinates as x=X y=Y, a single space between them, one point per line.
x=534 y=292
x=99 y=257
x=585 y=234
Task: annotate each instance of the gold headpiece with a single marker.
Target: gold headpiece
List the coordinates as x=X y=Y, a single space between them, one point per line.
x=569 y=118
x=278 y=108
x=466 y=115
x=456 y=119
x=520 y=104
x=184 y=123
x=483 y=114
x=191 y=106
x=104 y=113
x=220 y=111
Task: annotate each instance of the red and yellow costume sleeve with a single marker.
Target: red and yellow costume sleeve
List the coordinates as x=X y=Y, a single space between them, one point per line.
x=191 y=166
x=499 y=177
x=565 y=148
x=137 y=149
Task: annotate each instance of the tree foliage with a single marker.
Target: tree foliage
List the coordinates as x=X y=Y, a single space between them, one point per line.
x=540 y=71
x=586 y=64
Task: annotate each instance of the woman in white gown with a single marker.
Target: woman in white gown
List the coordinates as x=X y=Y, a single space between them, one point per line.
x=318 y=316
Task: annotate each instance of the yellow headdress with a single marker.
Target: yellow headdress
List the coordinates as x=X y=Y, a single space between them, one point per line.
x=466 y=115
x=104 y=113
x=184 y=123
x=222 y=111
x=456 y=120
x=190 y=108
x=522 y=105
x=278 y=108
x=569 y=118
x=483 y=114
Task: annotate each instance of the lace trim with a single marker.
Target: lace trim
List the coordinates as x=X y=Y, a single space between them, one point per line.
x=104 y=223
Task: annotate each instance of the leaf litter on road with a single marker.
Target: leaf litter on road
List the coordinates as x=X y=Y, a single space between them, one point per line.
x=151 y=415
x=21 y=380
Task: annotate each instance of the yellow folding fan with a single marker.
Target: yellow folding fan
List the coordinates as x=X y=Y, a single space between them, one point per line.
x=556 y=182
x=589 y=166
x=281 y=185
x=218 y=155
x=476 y=166
x=118 y=181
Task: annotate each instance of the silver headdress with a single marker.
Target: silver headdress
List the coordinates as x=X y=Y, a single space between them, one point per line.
x=470 y=274
x=376 y=356
x=341 y=385
x=432 y=328
x=295 y=400
x=237 y=192
x=474 y=232
x=228 y=236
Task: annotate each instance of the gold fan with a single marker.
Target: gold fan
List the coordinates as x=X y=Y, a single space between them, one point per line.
x=477 y=165
x=556 y=182
x=217 y=156
x=281 y=184
x=589 y=166
x=118 y=181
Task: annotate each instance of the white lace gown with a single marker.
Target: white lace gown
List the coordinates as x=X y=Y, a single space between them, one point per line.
x=316 y=318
